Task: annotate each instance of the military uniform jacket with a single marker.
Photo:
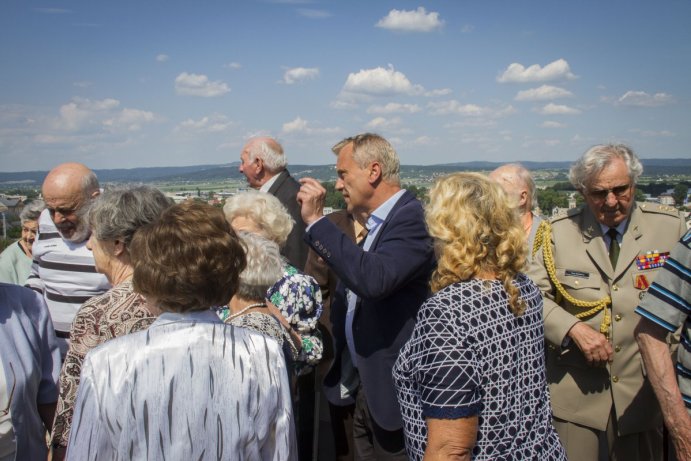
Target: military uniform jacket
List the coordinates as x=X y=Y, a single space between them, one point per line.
x=580 y=393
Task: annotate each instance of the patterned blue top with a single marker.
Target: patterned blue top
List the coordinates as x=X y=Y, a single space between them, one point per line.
x=469 y=355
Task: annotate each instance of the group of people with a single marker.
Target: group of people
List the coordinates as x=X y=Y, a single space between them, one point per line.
x=464 y=328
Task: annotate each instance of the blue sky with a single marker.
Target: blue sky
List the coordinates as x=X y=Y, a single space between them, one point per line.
x=124 y=84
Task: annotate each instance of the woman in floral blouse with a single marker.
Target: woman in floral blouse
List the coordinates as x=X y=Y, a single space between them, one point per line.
x=296 y=295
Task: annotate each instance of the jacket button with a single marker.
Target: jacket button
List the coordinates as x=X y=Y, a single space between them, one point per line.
x=617 y=317
x=615 y=288
x=617 y=348
x=615 y=379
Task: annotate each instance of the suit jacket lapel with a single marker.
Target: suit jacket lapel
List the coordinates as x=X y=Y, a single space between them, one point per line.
x=594 y=241
x=405 y=198
x=630 y=244
x=282 y=176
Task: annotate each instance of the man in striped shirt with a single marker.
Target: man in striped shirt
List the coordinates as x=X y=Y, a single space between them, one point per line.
x=63 y=269
x=665 y=308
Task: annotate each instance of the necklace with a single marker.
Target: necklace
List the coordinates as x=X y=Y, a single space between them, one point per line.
x=245 y=309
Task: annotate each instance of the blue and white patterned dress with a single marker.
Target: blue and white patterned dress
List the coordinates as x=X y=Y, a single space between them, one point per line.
x=469 y=355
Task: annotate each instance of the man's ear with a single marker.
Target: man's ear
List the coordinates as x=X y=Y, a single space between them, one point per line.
x=95 y=193
x=259 y=164
x=524 y=198
x=374 y=172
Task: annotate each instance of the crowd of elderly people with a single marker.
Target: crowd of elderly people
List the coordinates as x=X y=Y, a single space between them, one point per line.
x=464 y=328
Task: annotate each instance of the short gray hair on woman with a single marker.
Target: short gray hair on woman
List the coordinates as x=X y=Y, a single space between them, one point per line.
x=264 y=210
x=595 y=159
x=270 y=151
x=32 y=211
x=370 y=147
x=264 y=266
x=119 y=212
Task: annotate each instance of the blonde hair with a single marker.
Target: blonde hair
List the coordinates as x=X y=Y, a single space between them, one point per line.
x=476 y=231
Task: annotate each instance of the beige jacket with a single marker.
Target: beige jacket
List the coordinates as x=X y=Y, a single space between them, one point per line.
x=580 y=393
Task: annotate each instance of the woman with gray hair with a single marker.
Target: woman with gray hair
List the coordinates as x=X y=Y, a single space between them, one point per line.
x=248 y=307
x=15 y=260
x=114 y=218
x=296 y=295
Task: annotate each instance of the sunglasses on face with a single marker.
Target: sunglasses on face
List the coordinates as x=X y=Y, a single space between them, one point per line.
x=602 y=194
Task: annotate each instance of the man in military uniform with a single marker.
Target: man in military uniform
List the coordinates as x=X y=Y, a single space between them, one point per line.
x=593 y=267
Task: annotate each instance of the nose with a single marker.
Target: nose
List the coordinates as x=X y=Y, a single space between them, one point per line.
x=339 y=184
x=57 y=216
x=88 y=244
x=611 y=199
x=240 y=168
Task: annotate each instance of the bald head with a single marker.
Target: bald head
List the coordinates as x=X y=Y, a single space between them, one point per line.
x=67 y=190
x=519 y=185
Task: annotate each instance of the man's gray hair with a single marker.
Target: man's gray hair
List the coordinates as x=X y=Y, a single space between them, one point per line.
x=264 y=267
x=368 y=148
x=32 y=211
x=526 y=178
x=271 y=153
x=90 y=184
x=119 y=212
x=595 y=159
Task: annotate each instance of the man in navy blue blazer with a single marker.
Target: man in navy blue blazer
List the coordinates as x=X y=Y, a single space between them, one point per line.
x=383 y=283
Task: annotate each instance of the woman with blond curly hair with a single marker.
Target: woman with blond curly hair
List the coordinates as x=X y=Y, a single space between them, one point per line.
x=471 y=380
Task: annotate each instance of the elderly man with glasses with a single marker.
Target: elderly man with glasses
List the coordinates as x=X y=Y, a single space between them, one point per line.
x=593 y=267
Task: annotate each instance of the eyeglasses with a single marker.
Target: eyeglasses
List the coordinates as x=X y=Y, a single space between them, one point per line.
x=6 y=411
x=602 y=194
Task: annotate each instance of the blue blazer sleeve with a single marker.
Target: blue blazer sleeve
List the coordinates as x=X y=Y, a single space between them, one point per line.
x=402 y=248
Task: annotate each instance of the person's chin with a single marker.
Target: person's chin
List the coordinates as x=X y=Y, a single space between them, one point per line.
x=74 y=235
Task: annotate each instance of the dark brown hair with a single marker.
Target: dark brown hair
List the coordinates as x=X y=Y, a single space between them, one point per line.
x=189 y=259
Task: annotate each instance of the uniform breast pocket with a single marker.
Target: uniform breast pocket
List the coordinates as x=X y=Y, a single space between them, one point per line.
x=573 y=279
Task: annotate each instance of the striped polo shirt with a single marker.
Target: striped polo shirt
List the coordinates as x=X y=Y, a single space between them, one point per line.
x=668 y=304
x=64 y=272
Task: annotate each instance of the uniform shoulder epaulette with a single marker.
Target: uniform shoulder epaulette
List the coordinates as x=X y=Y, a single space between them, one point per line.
x=571 y=212
x=649 y=207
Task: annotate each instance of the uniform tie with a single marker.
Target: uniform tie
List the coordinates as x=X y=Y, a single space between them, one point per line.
x=613 y=246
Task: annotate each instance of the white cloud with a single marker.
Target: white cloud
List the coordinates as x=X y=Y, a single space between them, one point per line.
x=232 y=65
x=130 y=119
x=543 y=93
x=216 y=123
x=80 y=112
x=300 y=74
x=199 y=85
x=655 y=134
x=423 y=141
x=468 y=110
x=411 y=21
x=295 y=126
x=558 y=109
x=380 y=81
x=162 y=57
x=300 y=125
x=517 y=73
x=394 y=107
x=552 y=124
x=313 y=14
x=439 y=92
x=643 y=99
x=381 y=123
x=81 y=116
